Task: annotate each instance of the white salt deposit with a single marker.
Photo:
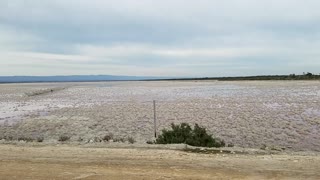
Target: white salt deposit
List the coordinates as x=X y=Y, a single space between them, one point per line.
x=246 y=113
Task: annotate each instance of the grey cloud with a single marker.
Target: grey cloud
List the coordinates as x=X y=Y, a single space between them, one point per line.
x=288 y=29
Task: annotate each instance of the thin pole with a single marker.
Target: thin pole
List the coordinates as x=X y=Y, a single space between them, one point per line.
x=155 y=118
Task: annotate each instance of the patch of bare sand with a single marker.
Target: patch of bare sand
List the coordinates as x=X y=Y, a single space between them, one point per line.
x=74 y=162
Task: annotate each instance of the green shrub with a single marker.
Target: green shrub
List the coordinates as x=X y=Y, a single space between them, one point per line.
x=179 y=134
x=183 y=133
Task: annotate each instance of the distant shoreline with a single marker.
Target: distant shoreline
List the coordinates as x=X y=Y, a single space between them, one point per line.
x=249 y=78
x=21 y=82
x=61 y=79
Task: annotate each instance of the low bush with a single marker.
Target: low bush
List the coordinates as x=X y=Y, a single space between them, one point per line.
x=183 y=133
x=63 y=138
x=107 y=137
x=25 y=138
x=150 y=142
x=119 y=140
x=8 y=138
x=40 y=139
x=96 y=139
x=131 y=140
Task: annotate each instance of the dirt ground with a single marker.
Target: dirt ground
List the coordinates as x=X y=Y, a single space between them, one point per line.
x=74 y=162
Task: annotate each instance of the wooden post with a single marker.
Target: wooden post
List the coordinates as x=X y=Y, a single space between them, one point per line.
x=155 y=118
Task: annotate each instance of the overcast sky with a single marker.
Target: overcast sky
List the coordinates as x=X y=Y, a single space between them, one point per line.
x=159 y=37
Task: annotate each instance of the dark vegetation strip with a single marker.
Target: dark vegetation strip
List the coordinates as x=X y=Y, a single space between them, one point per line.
x=307 y=76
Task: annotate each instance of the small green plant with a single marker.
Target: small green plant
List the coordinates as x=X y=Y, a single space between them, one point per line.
x=131 y=140
x=63 y=138
x=183 y=133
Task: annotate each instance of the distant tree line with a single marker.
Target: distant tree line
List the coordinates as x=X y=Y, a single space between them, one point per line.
x=304 y=76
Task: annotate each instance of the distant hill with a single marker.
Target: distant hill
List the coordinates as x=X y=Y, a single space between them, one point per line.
x=75 y=78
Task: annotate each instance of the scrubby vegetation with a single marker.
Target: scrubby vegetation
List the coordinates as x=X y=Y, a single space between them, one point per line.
x=150 y=142
x=131 y=140
x=183 y=133
x=304 y=76
x=119 y=140
x=7 y=138
x=108 y=137
x=63 y=138
x=40 y=139
x=25 y=138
